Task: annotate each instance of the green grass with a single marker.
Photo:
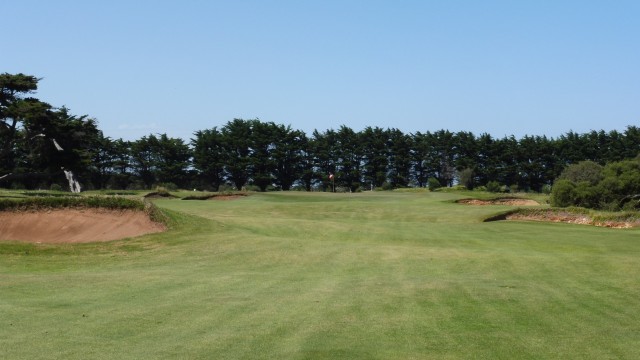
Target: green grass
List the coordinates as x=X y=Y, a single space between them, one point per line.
x=377 y=275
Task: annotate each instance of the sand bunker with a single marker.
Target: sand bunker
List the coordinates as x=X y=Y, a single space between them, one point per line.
x=75 y=225
x=505 y=201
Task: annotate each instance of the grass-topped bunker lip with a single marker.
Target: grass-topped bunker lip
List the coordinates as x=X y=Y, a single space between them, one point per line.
x=76 y=220
x=218 y=196
x=509 y=201
x=620 y=220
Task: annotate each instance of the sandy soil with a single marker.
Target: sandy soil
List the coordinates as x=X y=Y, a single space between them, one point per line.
x=509 y=202
x=75 y=226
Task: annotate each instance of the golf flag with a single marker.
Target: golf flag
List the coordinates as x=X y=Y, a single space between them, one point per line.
x=330 y=176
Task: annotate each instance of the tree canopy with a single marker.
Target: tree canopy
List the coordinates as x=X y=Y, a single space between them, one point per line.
x=38 y=141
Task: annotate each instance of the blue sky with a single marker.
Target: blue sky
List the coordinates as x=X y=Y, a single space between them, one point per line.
x=500 y=67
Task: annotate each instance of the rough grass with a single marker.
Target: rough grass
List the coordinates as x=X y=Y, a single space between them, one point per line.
x=382 y=275
x=112 y=203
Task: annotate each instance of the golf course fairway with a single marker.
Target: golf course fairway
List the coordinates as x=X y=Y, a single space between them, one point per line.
x=293 y=275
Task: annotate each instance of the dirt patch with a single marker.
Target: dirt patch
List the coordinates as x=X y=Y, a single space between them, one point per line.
x=75 y=225
x=503 y=201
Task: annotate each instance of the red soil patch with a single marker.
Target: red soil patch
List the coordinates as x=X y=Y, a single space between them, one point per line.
x=506 y=201
x=75 y=225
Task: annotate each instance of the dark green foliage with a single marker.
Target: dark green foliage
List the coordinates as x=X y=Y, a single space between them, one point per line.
x=208 y=157
x=375 y=156
x=55 y=187
x=39 y=141
x=160 y=159
x=563 y=193
x=399 y=146
x=466 y=178
x=584 y=171
x=494 y=187
x=614 y=187
x=433 y=184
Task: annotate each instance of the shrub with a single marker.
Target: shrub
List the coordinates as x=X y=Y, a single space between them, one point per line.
x=563 y=193
x=433 y=184
x=466 y=178
x=55 y=187
x=386 y=186
x=587 y=184
x=494 y=187
x=584 y=171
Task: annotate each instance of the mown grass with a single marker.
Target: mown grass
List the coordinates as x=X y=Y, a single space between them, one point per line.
x=380 y=275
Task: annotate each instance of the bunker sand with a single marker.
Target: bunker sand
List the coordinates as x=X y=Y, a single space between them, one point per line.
x=75 y=225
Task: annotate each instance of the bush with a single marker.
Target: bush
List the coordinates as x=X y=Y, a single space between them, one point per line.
x=386 y=186
x=55 y=187
x=563 y=193
x=494 y=187
x=584 y=171
x=466 y=178
x=433 y=184
x=589 y=185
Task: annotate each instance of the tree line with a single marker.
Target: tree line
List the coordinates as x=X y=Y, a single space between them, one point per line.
x=38 y=142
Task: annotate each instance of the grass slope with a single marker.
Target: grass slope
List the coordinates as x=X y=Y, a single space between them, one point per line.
x=325 y=276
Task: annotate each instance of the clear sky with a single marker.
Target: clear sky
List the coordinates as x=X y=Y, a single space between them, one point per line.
x=519 y=67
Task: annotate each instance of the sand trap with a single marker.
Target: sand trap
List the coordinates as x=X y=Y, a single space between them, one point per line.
x=505 y=201
x=75 y=225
